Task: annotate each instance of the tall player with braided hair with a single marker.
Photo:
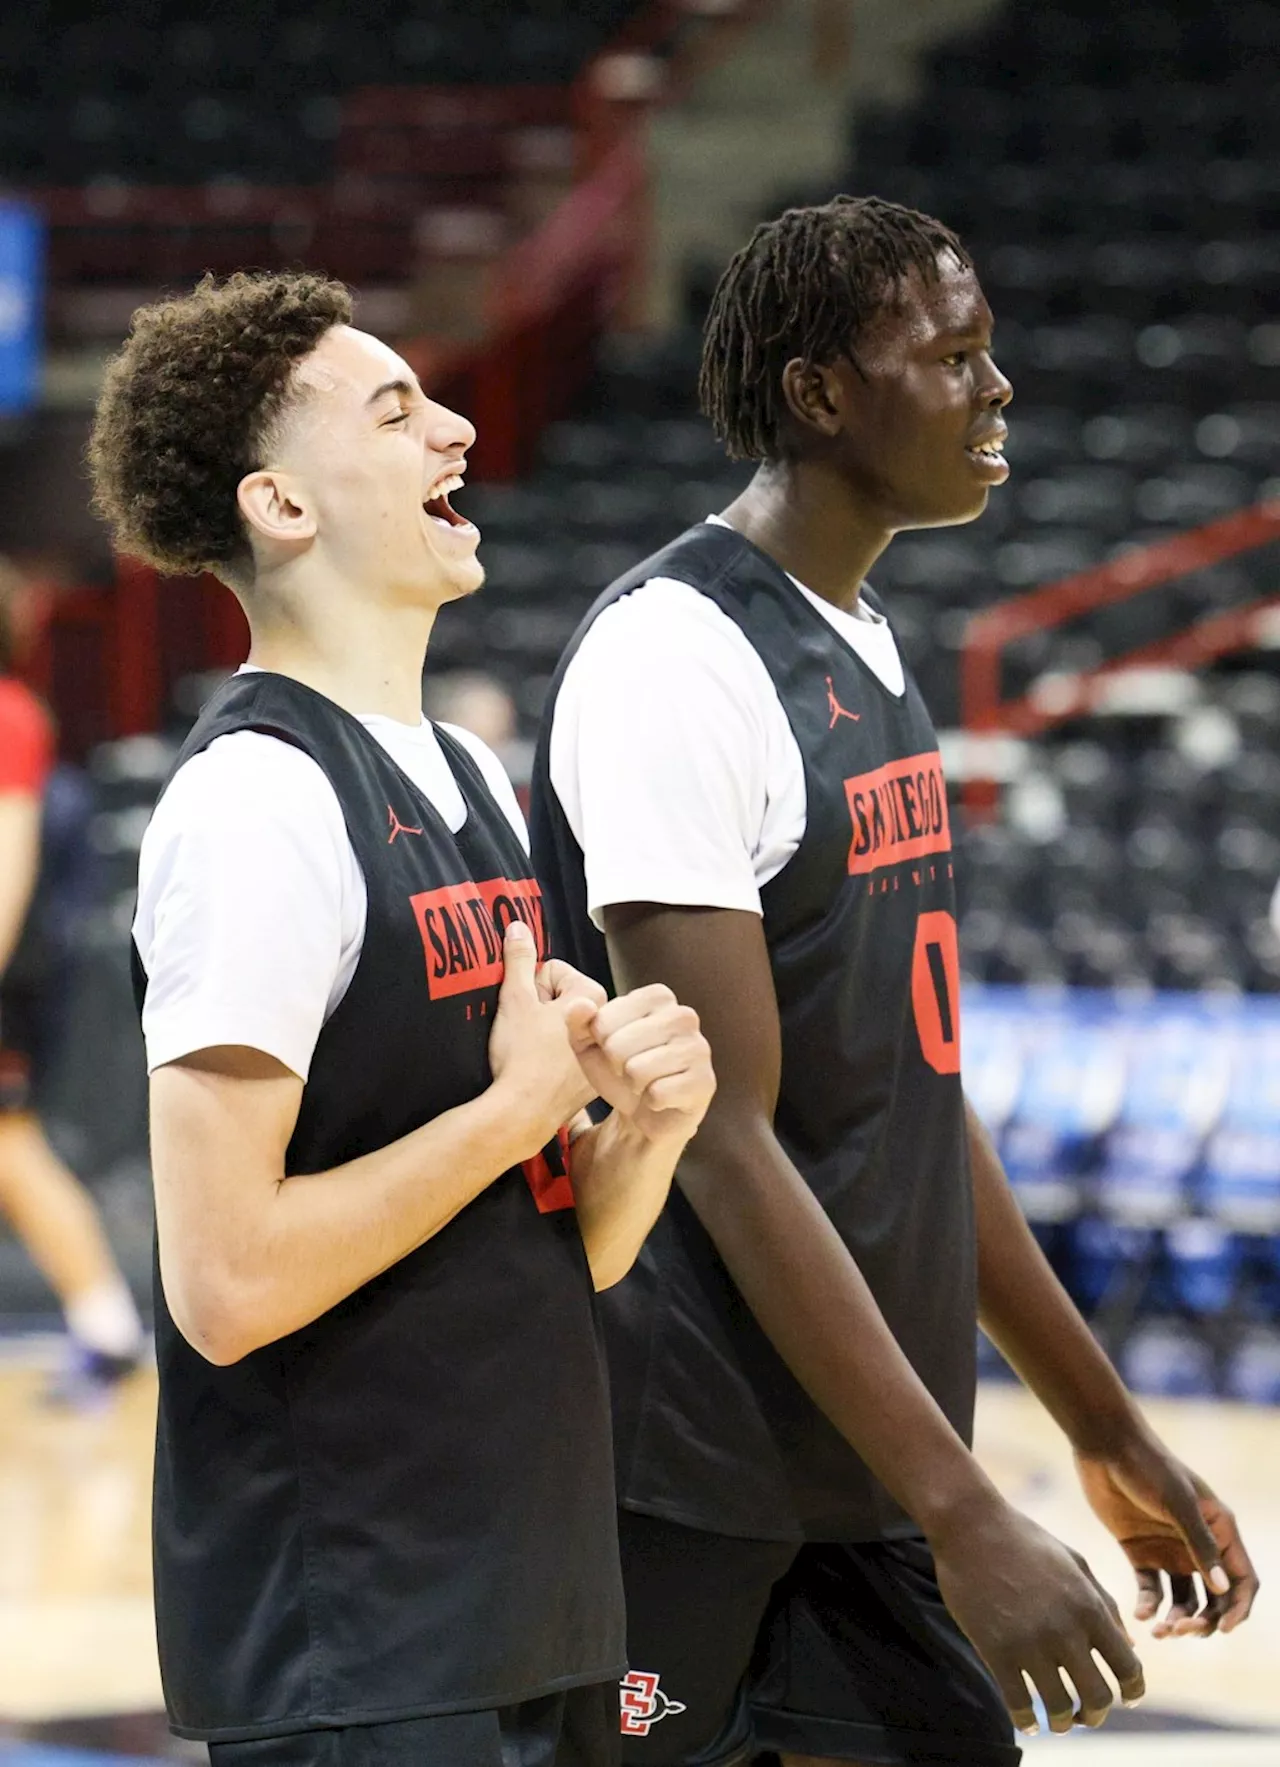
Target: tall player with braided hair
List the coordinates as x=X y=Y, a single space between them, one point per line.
x=738 y=792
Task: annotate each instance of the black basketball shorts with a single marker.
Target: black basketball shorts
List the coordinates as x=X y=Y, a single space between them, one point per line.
x=739 y=1648
x=21 y=1040
x=574 y=1729
x=31 y=1027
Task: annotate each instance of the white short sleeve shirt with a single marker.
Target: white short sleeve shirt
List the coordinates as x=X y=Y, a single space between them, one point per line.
x=251 y=902
x=672 y=756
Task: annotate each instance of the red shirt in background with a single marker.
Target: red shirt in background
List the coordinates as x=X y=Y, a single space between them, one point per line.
x=26 y=740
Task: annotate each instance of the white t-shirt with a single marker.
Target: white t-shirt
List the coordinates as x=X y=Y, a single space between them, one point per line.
x=672 y=757
x=251 y=902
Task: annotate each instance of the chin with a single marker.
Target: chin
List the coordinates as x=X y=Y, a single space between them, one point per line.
x=455 y=584
x=955 y=517
x=466 y=580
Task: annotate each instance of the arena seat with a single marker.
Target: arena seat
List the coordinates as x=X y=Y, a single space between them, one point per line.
x=170 y=93
x=1240 y=1180
x=1175 y=1091
x=1070 y=1095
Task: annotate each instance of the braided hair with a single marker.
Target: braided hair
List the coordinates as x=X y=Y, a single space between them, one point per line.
x=806 y=285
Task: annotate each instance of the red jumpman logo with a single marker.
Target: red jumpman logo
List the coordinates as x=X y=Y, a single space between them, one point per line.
x=397 y=827
x=837 y=710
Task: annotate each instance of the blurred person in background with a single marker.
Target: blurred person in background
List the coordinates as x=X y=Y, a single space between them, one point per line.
x=384 y=1519
x=470 y=699
x=473 y=701
x=738 y=791
x=43 y=814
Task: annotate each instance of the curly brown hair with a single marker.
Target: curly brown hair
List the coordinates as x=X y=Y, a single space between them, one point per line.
x=188 y=405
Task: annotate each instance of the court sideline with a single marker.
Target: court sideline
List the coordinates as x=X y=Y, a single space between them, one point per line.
x=77 y=1654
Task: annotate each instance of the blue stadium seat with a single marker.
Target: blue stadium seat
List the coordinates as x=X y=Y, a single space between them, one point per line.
x=1205 y=1264
x=994 y=1041
x=1253 y=1373
x=1099 y=1259
x=1177 y=1078
x=1072 y=1086
x=1167 y=1359
x=1240 y=1181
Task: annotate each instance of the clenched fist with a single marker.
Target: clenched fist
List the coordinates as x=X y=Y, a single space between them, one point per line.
x=643 y=1053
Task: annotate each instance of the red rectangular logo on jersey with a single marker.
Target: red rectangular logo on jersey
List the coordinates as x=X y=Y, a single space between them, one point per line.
x=462 y=927
x=898 y=812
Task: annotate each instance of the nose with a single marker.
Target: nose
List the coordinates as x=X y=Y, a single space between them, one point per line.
x=448 y=432
x=995 y=389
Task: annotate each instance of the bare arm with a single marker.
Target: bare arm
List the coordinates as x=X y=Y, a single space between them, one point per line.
x=645 y=1054
x=1165 y=1516
x=19 y=865
x=777 y=1241
x=1030 y=1318
x=248 y=1255
x=1026 y=1602
x=621 y=1181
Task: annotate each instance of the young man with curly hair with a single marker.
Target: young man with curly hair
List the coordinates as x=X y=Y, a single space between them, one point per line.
x=384 y=1527
x=738 y=792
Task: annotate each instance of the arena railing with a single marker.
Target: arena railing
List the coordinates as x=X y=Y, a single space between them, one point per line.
x=1059 y=696
x=558 y=291
x=551 y=298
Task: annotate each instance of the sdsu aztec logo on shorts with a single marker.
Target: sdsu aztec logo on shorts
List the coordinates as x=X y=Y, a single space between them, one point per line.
x=644 y=1703
x=462 y=927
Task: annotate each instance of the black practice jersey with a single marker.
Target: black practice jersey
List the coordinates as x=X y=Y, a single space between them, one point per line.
x=406 y=1507
x=711 y=1428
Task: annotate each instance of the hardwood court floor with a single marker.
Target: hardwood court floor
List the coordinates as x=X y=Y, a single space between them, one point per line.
x=76 y=1629
x=1237 y=1449
x=76 y=1633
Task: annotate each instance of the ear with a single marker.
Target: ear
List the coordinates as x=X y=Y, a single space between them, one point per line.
x=814 y=396
x=274 y=507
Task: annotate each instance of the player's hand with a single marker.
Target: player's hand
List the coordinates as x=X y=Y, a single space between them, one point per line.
x=533 y=1043
x=645 y=1055
x=1032 y=1608
x=1171 y=1524
x=558 y=980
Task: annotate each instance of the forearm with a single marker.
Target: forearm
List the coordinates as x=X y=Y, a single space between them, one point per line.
x=806 y=1291
x=621 y=1181
x=336 y=1230
x=793 y=1269
x=1031 y=1319
x=297 y=1246
x=13 y=911
x=19 y=863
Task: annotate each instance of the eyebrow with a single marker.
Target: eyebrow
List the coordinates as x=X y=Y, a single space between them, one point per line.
x=964 y=334
x=406 y=389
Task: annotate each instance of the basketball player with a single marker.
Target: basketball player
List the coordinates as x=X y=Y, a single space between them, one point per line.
x=51 y=1211
x=738 y=784
x=384 y=1523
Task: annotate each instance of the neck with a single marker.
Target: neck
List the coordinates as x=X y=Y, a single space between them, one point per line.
x=363 y=655
x=802 y=516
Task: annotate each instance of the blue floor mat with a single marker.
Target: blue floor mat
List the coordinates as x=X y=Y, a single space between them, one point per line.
x=43 y=1754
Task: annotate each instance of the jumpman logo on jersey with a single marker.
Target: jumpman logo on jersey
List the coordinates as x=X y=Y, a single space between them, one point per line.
x=836 y=709
x=397 y=827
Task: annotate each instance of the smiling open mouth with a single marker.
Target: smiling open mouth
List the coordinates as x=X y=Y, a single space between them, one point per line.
x=987 y=459
x=439 y=508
